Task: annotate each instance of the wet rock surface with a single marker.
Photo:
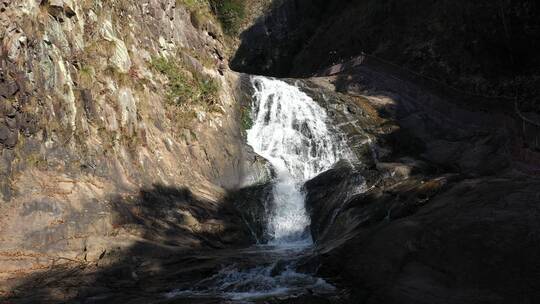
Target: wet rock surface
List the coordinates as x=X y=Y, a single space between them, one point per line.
x=439 y=240
x=162 y=260
x=181 y=277
x=254 y=203
x=441 y=213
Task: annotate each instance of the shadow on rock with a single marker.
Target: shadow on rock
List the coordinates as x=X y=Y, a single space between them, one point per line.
x=170 y=234
x=427 y=239
x=440 y=215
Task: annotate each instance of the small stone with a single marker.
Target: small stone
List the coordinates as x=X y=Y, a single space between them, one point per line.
x=69 y=8
x=9 y=89
x=11 y=140
x=56 y=3
x=120 y=58
x=128 y=108
x=4 y=133
x=188 y=219
x=56 y=7
x=11 y=122
x=89 y=104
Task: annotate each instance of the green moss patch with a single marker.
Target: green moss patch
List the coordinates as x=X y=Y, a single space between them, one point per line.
x=186 y=87
x=247 y=120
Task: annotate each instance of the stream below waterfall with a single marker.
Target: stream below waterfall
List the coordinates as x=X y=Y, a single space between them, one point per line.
x=290 y=130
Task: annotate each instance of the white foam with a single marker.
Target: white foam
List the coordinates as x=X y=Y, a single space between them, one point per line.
x=290 y=130
x=250 y=284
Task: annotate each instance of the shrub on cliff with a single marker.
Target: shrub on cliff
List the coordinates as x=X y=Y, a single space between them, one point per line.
x=230 y=14
x=186 y=87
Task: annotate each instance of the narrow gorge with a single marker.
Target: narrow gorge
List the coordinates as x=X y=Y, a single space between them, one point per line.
x=269 y=151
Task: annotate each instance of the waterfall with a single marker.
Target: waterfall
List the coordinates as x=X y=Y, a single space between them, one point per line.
x=290 y=130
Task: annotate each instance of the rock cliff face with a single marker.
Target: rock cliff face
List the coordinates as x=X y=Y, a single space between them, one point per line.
x=483 y=46
x=436 y=211
x=94 y=158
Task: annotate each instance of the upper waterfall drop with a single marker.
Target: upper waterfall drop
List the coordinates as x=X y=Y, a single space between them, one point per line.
x=290 y=130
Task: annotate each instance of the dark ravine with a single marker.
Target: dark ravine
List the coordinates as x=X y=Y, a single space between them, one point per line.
x=483 y=47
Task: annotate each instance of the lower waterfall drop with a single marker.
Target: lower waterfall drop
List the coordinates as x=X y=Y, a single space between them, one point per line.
x=290 y=130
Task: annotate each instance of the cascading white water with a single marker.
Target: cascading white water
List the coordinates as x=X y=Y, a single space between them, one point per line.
x=290 y=130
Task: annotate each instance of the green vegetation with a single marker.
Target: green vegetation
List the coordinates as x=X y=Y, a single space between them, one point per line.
x=184 y=87
x=202 y=57
x=36 y=160
x=230 y=13
x=86 y=76
x=192 y=5
x=200 y=11
x=247 y=121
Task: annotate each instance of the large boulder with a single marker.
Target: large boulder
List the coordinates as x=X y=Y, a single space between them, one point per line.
x=444 y=240
x=435 y=212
